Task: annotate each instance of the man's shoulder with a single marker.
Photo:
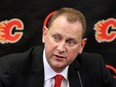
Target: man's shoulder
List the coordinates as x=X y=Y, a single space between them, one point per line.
x=89 y=56
x=22 y=56
x=19 y=62
x=90 y=59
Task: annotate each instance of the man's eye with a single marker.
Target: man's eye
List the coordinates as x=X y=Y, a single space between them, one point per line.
x=71 y=43
x=56 y=38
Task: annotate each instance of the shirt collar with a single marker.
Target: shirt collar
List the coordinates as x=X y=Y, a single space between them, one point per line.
x=49 y=72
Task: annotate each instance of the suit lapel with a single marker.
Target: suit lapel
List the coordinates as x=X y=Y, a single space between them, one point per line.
x=36 y=77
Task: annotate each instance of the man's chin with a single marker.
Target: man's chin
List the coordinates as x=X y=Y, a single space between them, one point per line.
x=59 y=68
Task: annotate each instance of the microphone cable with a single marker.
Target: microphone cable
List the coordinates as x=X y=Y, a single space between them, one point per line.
x=80 y=78
x=76 y=66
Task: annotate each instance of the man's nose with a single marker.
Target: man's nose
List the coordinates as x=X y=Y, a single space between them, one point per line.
x=61 y=47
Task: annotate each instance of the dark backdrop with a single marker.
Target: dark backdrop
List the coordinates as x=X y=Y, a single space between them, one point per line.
x=32 y=13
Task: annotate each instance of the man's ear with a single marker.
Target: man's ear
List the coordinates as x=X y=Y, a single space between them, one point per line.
x=82 y=45
x=44 y=32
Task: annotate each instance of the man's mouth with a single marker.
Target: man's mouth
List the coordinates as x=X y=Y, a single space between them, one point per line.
x=59 y=56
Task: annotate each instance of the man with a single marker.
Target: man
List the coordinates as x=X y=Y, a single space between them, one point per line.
x=64 y=40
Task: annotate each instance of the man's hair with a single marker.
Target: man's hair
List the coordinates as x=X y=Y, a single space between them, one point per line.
x=72 y=15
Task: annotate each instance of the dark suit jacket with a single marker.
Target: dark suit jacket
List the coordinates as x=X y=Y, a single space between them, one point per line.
x=26 y=70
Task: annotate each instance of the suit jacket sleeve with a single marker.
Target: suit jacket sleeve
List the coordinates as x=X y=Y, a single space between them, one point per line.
x=107 y=77
x=94 y=72
x=4 y=72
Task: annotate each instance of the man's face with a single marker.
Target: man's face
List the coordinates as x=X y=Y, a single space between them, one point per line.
x=63 y=42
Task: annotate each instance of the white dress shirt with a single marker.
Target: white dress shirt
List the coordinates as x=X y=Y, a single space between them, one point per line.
x=49 y=74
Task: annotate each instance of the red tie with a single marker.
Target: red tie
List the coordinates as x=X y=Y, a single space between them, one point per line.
x=58 y=79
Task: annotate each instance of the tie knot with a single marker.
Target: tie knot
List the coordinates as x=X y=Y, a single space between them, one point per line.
x=58 y=79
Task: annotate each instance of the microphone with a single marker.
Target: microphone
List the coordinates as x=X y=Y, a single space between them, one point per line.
x=77 y=67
